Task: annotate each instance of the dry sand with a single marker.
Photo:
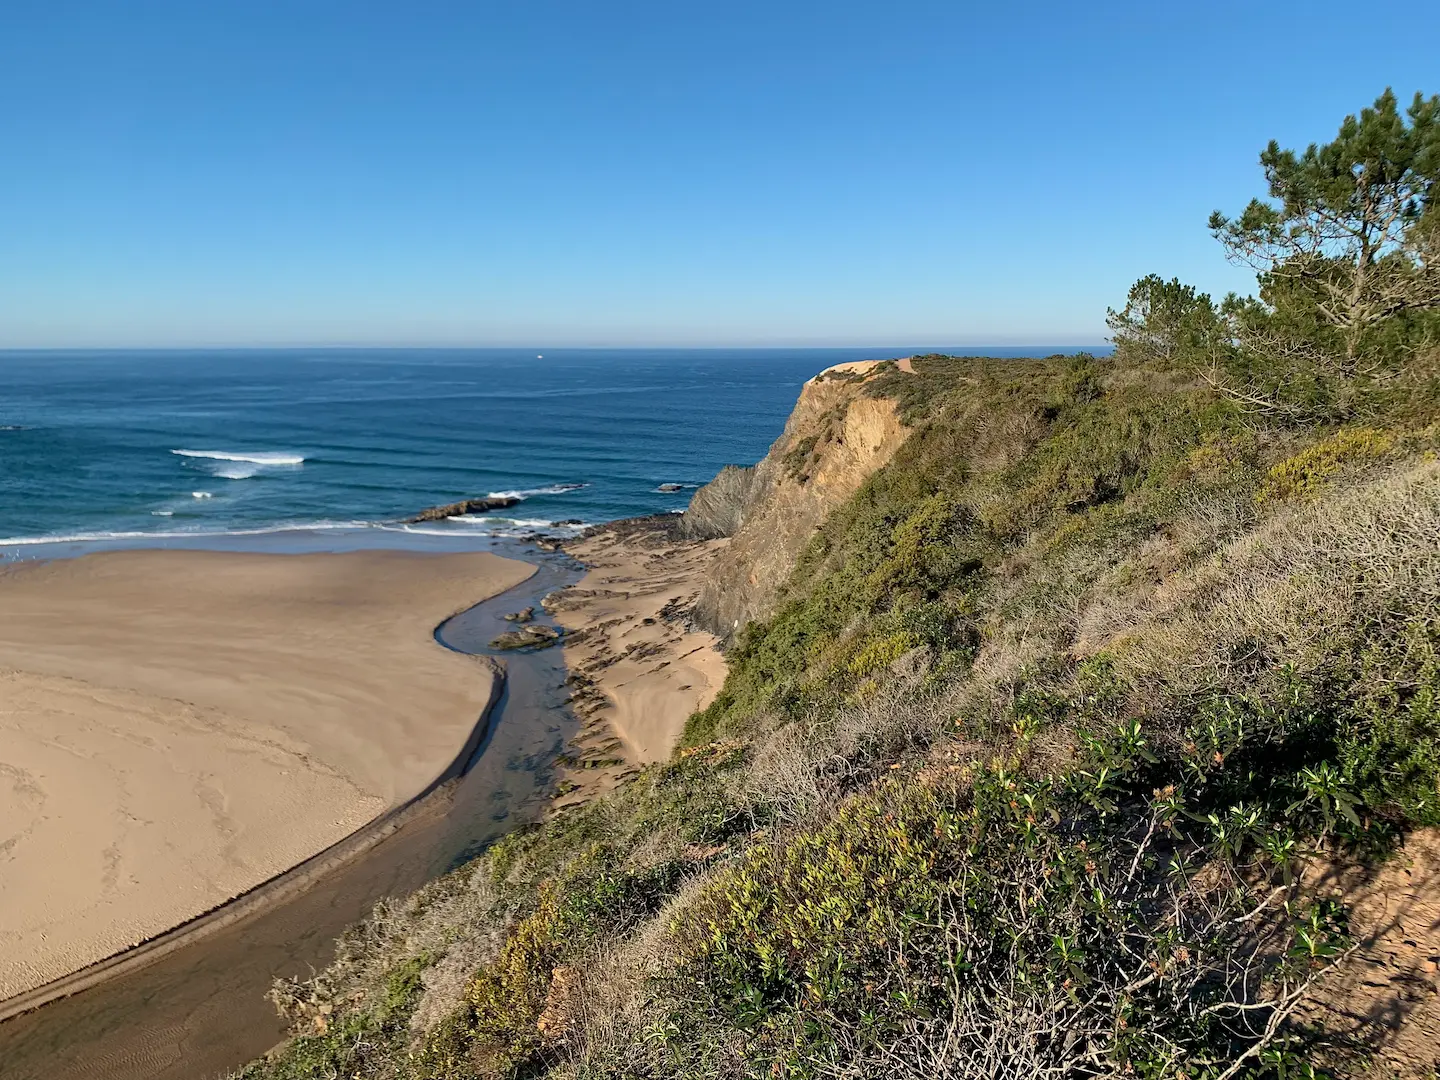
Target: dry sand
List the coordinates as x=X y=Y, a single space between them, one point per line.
x=1387 y=995
x=638 y=669
x=176 y=727
x=863 y=367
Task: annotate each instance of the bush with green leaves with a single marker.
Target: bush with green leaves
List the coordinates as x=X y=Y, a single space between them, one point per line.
x=997 y=924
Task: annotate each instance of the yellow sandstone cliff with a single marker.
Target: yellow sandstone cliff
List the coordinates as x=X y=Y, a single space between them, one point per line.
x=838 y=434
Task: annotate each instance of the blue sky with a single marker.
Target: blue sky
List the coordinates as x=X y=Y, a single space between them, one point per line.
x=552 y=173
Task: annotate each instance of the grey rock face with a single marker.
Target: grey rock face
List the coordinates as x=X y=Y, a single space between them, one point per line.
x=718 y=509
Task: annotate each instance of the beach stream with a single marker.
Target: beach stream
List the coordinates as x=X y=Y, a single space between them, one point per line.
x=198 y=1010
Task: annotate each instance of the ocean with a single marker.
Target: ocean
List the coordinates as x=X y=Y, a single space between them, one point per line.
x=306 y=449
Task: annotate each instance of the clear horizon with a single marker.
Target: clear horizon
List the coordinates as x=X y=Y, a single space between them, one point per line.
x=355 y=175
x=952 y=349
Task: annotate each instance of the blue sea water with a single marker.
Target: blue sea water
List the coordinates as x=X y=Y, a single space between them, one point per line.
x=332 y=448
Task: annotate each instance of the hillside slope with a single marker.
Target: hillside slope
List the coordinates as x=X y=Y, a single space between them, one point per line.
x=1043 y=759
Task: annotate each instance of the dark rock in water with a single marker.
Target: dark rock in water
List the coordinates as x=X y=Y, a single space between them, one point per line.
x=570 y=521
x=534 y=636
x=465 y=506
x=671 y=487
x=520 y=616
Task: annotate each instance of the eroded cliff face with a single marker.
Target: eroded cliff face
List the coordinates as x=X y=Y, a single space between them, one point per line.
x=835 y=438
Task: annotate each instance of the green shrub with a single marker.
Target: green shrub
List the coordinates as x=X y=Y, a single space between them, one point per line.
x=940 y=924
x=881 y=653
x=1305 y=472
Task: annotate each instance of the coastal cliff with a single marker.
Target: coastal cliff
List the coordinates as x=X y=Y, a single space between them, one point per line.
x=837 y=436
x=660 y=597
x=1050 y=673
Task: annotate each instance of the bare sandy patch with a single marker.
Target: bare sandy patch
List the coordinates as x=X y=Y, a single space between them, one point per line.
x=859 y=367
x=176 y=727
x=639 y=668
x=1387 y=995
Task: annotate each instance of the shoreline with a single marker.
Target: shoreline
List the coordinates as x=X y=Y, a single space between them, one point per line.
x=162 y=973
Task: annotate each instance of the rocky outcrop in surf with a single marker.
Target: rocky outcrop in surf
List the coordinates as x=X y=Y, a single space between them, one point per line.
x=465 y=506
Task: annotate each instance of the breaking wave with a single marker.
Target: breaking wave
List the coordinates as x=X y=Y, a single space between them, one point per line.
x=178 y=534
x=265 y=458
x=525 y=493
x=229 y=465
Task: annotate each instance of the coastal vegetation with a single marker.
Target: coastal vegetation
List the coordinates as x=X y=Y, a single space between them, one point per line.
x=1056 y=732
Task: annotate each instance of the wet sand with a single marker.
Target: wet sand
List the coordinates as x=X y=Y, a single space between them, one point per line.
x=176 y=727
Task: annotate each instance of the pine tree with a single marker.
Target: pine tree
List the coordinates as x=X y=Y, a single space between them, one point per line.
x=1348 y=246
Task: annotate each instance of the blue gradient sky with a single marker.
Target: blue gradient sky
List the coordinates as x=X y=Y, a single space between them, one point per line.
x=343 y=172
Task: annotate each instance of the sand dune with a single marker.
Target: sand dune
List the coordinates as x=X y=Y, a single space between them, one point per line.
x=176 y=727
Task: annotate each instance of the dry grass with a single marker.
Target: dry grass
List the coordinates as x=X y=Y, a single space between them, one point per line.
x=471 y=933
x=454 y=925
x=1003 y=1024
x=609 y=1013
x=801 y=769
x=1361 y=563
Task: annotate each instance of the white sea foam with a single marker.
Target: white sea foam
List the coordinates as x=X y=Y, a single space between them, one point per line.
x=80 y=538
x=201 y=495
x=235 y=466
x=264 y=458
x=473 y=526
x=162 y=513
x=182 y=534
x=525 y=493
x=521 y=523
x=478 y=525
x=419 y=530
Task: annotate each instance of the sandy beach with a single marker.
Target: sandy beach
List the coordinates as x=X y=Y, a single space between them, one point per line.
x=638 y=669
x=178 y=726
